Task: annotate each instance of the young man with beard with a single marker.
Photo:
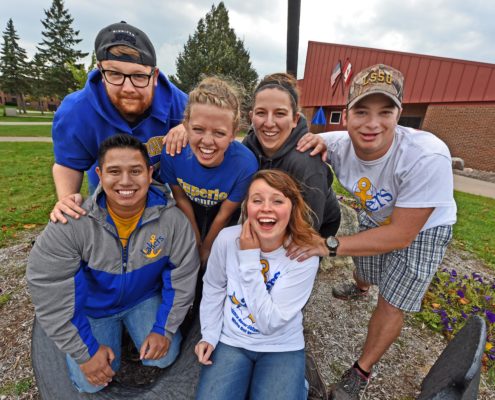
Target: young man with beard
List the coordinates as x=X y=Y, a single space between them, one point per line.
x=131 y=261
x=403 y=181
x=126 y=94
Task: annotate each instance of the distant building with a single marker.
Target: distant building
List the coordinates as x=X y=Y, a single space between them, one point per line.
x=454 y=99
x=49 y=104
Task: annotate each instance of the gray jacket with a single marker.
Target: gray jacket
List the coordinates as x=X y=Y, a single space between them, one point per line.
x=81 y=269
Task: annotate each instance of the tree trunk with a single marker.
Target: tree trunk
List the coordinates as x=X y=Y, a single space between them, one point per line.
x=23 y=103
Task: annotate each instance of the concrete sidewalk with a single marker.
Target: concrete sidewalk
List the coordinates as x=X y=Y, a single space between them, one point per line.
x=45 y=139
x=474 y=186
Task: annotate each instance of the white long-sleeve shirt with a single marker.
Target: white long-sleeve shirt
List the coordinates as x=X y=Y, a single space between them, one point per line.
x=253 y=299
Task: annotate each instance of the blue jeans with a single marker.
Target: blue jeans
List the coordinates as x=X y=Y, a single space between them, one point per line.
x=241 y=374
x=139 y=321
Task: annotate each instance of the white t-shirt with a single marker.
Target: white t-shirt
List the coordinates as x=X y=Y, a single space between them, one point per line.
x=416 y=172
x=253 y=300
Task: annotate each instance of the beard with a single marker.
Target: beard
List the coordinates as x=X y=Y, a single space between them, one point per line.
x=132 y=105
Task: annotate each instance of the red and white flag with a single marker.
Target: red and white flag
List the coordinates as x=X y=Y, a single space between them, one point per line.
x=347 y=72
x=335 y=73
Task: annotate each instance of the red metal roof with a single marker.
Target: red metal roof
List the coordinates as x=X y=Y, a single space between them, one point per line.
x=428 y=79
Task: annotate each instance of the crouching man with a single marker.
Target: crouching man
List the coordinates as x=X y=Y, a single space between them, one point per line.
x=132 y=261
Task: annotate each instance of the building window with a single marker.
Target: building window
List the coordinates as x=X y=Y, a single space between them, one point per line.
x=411 y=122
x=335 y=117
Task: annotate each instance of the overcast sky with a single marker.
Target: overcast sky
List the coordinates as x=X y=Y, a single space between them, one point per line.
x=449 y=28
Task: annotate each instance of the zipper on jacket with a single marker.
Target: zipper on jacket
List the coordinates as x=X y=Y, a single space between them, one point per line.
x=125 y=259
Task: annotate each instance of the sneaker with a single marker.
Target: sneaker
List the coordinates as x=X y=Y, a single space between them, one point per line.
x=350 y=387
x=317 y=388
x=348 y=291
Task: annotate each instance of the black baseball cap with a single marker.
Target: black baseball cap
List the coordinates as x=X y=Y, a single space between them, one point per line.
x=123 y=34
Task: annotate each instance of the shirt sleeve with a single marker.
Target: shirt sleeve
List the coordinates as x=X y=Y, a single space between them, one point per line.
x=272 y=310
x=250 y=166
x=429 y=183
x=214 y=294
x=167 y=170
x=51 y=274
x=74 y=144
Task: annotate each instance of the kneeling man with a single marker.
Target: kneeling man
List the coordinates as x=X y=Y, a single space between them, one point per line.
x=132 y=261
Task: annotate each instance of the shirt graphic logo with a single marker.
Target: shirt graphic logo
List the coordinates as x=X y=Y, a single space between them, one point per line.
x=371 y=198
x=265 y=267
x=203 y=196
x=152 y=250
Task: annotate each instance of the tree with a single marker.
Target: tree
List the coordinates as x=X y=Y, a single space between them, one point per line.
x=37 y=83
x=13 y=65
x=214 y=49
x=57 y=50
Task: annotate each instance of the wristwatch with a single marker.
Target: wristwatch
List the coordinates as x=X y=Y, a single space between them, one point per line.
x=332 y=243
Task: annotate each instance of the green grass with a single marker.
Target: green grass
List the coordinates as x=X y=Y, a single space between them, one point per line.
x=27 y=118
x=4 y=299
x=16 y=388
x=475 y=227
x=25 y=130
x=27 y=192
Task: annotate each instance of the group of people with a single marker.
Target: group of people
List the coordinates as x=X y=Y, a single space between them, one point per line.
x=181 y=213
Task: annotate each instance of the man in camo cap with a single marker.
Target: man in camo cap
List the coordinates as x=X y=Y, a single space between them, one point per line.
x=402 y=179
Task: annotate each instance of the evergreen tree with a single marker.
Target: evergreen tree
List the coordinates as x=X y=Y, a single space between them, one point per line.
x=57 y=49
x=214 y=49
x=13 y=65
x=37 y=84
x=80 y=74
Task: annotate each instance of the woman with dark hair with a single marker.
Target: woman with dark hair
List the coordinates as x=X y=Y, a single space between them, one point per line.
x=251 y=320
x=277 y=126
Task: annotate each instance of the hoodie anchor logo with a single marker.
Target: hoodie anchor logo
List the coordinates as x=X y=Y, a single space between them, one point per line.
x=150 y=250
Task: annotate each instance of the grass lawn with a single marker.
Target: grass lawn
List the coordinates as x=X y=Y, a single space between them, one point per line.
x=25 y=130
x=27 y=193
x=27 y=118
x=475 y=227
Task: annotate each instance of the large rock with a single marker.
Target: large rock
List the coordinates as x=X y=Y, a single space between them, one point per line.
x=457 y=163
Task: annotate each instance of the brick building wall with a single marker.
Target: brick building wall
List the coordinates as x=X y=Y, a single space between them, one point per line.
x=467 y=129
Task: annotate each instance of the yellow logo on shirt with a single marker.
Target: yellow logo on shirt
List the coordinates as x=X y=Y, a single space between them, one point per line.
x=152 y=249
x=372 y=199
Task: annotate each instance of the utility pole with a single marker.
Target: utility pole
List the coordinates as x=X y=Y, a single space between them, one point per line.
x=293 y=17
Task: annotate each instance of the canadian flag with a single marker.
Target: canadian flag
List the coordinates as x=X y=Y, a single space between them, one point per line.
x=347 y=72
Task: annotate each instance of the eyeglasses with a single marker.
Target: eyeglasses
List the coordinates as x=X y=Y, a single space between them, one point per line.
x=118 y=78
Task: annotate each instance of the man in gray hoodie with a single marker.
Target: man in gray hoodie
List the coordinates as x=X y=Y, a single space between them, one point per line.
x=131 y=260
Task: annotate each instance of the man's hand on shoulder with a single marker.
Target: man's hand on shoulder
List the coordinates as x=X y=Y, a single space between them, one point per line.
x=315 y=142
x=175 y=140
x=154 y=347
x=97 y=369
x=69 y=205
